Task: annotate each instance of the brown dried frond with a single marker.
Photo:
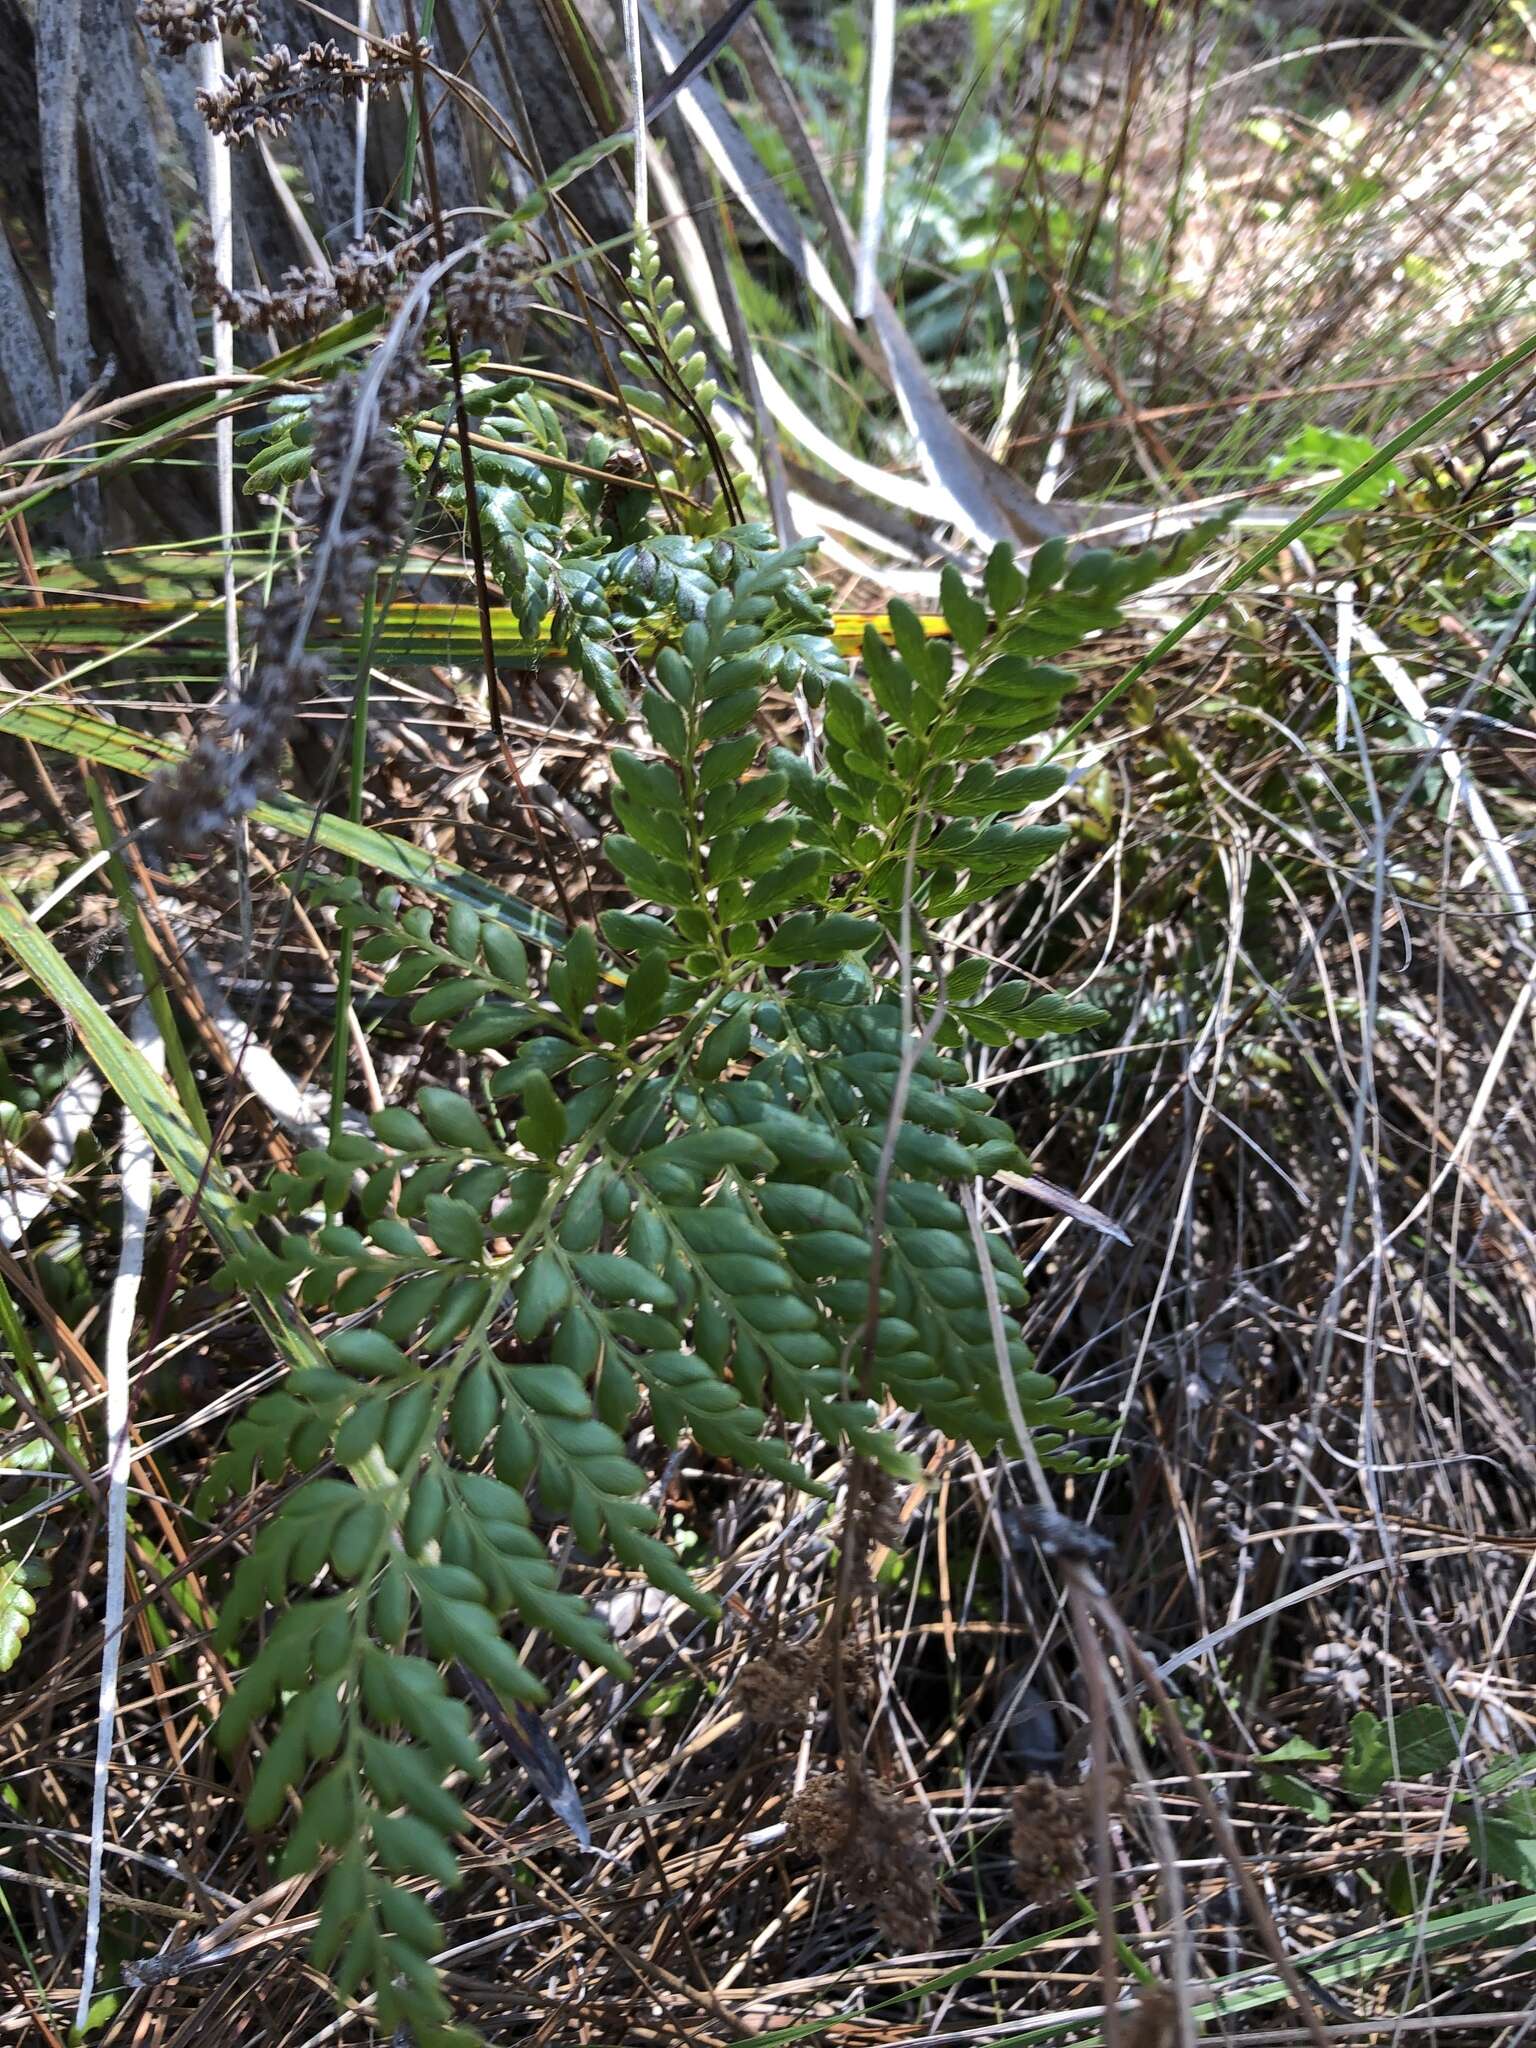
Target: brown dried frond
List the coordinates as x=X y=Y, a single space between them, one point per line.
x=177 y=24
x=777 y=1686
x=875 y=1849
x=264 y=97
x=1051 y=1827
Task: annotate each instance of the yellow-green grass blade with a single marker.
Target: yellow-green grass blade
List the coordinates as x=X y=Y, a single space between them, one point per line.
x=194 y=629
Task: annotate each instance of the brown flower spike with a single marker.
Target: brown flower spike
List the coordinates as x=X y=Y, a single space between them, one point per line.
x=876 y=1851
x=218 y=783
x=1051 y=1824
x=264 y=97
x=776 y=1687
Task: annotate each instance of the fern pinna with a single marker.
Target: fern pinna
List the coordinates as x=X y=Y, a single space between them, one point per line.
x=657 y=1191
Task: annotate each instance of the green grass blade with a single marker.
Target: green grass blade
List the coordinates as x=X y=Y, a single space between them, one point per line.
x=1412 y=435
x=136 y=1084
x=1337 y=1962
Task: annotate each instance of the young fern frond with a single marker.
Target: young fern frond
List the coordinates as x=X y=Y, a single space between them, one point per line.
x=658 y=1193
x=664 y=352
x=24 y=1560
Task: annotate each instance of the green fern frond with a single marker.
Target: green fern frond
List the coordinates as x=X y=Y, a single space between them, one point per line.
x=657 y=1195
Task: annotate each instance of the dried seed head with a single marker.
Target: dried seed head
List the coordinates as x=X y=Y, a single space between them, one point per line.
x=1050 y=1823
x=371 y=492
x=494 y=296
x=366 y=273
x=194 y=802
x=1059 y=1536
x=264 y=97
x=876 y=1851
x=625 y=467
x=1051 y=1827
x=1151 y=2020
x=777 y=1687
x=872 y=1519
x=218 y=784
x=177 y=24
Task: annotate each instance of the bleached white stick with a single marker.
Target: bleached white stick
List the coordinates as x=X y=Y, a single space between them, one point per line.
x=1344 y=599
x=877 y=141
x=136 y=1169
x=360 y=131
x=1463 y=787
x=637 y=104
x=221 y=226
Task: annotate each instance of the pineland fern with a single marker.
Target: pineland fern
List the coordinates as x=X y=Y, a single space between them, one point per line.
x=662 y=1191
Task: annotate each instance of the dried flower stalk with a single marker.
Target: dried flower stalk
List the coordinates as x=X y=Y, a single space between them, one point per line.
x=876 y=1851
x=264 y=97
x=179 y=24
x=368 y=516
